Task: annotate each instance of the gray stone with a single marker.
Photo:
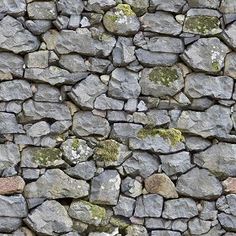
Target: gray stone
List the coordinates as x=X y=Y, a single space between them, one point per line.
x=37 y=59
x=11 y=63
x=230 y=62
x=197 y=226
x=141 y=163
x=85 y=124
x=56 y=184
x=180 y=208
x=106 y=103
x=215 y=121
x=123 y=84
x=180 y=225
x=17 y=39
x=228 y=6
x=157 y=223
x=15 y=90
x=100 y=5
x=226 y=204
x=161 y=81
x=39 y=129
x=38 y=27
x=169 y=5
x=15 y=7
x=206 y=54
x=61 y=22
x=131 y=187
x=85 y=92
x=177 y=163
x=160 y=22
x=13 y=206
x=195 y=143
x=204 y=3
x=105 y=188
x=50 y=218
x=60 y=127
x=8 y=123
x=9 y=224
x=136 y=230
x=82 y=42
x=208 y=211
x=125 y=206
x=98 y=65
x=200 y=85
x=219 y=159
x=76 y=150
x=14 y=106
x=139 y=7
x=121 y=20
x=84 y=170
x=70 y=7
x=149 y=205
x=47 y=93
x=165 y=233
x=199 y=183
x=42 y=10
x=118 y=116
x=229 y=35
x=227 y=221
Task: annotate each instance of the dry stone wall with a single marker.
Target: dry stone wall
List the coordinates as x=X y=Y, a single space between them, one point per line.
x=117 y=117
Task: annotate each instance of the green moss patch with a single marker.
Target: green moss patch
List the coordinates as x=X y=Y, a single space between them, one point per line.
x=126 y=9
x=75 y=144
x=97 y=212
x=216 y=66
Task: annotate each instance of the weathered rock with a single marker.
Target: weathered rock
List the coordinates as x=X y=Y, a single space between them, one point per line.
x=149 y=205
x=9 y=224
x=198 y=226
x=219 y=159
x=215 y=121
x=228 y=6
x=121 y=20
x=227 y=221
x=230 y=185
x=180 y=208
x=177 y=163
x=37 y=59
x=229 y=35
x=206 y=54
x=230 y=62
x=105 y=188
x=208 y=211
x=125 y=206
x=38 y=27
x=47 y=93
x=169 y=5
x=165 y=233
x=8 y=123
x=204 y=3
x=87 y=212
x=15 y=7
x=123 y=84
x=106 y=103
x=85 y=92
x=70 y=7
x=14 y=37
x=200 y=85
x=56 y=184
x=100 y=6
x=131 y=187
x=160 y=22
x=11 y=185
x=162 y=185
x=161 y=81
x=137 y=230
x=139 y=7
x=50 y=218
x=199 y=183
x=39 y=129
x=157 y=223
x=86 y=124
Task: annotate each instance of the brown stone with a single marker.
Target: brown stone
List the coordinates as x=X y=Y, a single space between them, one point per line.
x=11 y=185
x=161 y=184
x=230 y=185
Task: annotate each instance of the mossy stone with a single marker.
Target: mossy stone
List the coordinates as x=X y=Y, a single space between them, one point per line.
x=119 y=222
x=75 y=144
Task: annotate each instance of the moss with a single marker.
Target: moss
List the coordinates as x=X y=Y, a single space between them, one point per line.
x=173 y=135
x=126 y=9
x=163 y=75
x=75 y=144
x=107 y=150
x=215 y=66
x=97 y=212
x=45 y=156
x=201 y=24
x=119 y=222
x=104 y=37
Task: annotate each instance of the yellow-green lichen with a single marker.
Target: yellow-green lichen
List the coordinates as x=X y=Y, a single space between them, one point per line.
x=126 y=9
x=46 y=156
x=174 y=136
x=215 y=66
x=119 y=222
x=201 y=24
x=107 y=150
x=75 y=144
x=97 y=212
x=164 y=75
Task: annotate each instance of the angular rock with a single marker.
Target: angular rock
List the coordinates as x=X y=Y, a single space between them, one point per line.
x=14 y=37
x=56 y=184
x=123 y=84
x=204 y=3
x=121 y=20
x=106 y=103
x=161 y=184
x=85 y=92
x=200 y=85
x=105 y=188
x=9 y=224
x=139 y=7
x=160 y=22
x=180 y=208
x=229 y=35
x=198 y=226
x=131 y=187
x=199 y=183
x=169 y=5
x=211 y=51
x=230 y=62
x=230 y=185
x=165 y=233
x=11 y=185
x=86 y=124
x=228 y=7
x=47 y=93
x=39 y=129
x=137 y=230
x=218 y=159
x=215 y=121
x=38 y=27
x=161 y=81
x=100 y=6
x=8 y=123
x=37 y=59
x=124 y=207
x=157 y=223
x=149 y=205
x=228 y=222
x=70 y=7
x=50 y=218
x=177 y=163
x=15 y=7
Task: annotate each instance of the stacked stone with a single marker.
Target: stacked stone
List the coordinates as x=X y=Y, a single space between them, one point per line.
x=117 y=117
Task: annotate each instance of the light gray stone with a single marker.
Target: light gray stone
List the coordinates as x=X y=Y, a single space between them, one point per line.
x=139 y=7
x=47 y=93
x=195 y=143
x=9 y=224
x=100 y=5
x=204 y=3
x=165 y=233
x=8 y=123
x=38 y=27
x=98 y=65
x=169 y=5
x=103 y=102
x=137 y=230
x=227 y=221
x=157 y=223
x=39 y=129
x=125 y=206
x=15 y=7
x=229 y=35
x=70 y=7
x=60 y=127
x=230 y=62
x=37 y=59
x=198 y=226
x=131 y=187
x=228 y=6
x=199 y=183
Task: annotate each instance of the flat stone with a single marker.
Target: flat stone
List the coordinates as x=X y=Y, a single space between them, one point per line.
x=160 y=22
x=219 y=159
x=125 y=206
x=104 y=102
x=11 y=185
x=14 y=37
x=85 y=124
x=230 y=62
x=70 y=7
x=169 y=5
x=229 y=35
x=198 y=226
x=161 y=184
x=211 y=51
x=105 y=188
x=131 y=187
x=204 y=3
x=121 y=20
x=157 y=223
x=9 y=224
x=230 y=185
x=180 y=208
x=39 y=129
x=8 y=123
x=200 y=85
x=37 y=59
x=228 y=6
x=199 y=183
x=56 y=184
x=215 y=121
x=47 y=93
x=228 y=222
x=38 y=27
x=15 y=7
x=50 y=218
x=100 y=6
x=165 y=233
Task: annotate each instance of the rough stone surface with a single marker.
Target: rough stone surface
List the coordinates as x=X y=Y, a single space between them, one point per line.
x=11 y=185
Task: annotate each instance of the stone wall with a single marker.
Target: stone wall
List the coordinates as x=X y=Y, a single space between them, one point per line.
x=117 y=117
